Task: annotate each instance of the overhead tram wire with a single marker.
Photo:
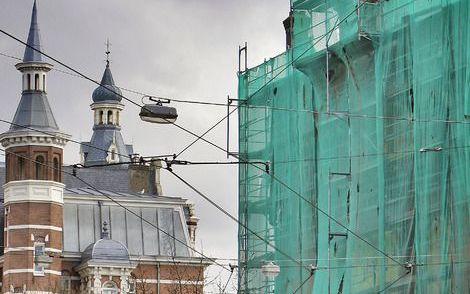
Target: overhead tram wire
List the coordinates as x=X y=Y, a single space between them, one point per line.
x=242 y=102
x=55 y=136
x=303 y=283
x=101 y=192
x=200 y=137
x=304 y=199
x=99 y=84
x=251 y=163
x=393 y=282
x=336 y=113
x=236 y=220
x=313 y=205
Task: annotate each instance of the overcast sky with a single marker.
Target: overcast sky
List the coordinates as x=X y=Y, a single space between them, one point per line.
x=183 y=49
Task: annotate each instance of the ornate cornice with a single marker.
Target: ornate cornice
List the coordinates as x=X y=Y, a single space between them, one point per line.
x=15 y=139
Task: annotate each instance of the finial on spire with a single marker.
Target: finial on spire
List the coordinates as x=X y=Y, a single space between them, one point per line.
x=108 y=47
x=105 y=233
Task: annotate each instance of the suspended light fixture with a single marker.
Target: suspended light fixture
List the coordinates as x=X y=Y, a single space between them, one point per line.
x=157 y=113
x=270 y=270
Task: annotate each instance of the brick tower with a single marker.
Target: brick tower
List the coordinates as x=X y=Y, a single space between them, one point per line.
x=33 y=192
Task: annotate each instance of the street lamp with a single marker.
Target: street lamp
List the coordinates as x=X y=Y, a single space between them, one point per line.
x=270 y=270
x=157 y=113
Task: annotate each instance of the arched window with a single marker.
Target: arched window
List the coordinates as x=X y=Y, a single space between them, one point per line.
x=36 y=82
x=65 y=282
x=28 y=86
x=56 y=170
x=40 y=168
x=109 y=288
x=101 y=117
x=110 y=117
x=44 y=83
x=21 y=172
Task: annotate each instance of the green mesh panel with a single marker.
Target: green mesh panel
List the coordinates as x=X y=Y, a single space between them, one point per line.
x=364 y=145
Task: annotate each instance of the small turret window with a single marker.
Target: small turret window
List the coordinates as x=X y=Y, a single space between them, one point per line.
x=56 y=170
x=40 y=168
x=110 y=117
x=36 y=82
x=28 y=86
x=21 y=172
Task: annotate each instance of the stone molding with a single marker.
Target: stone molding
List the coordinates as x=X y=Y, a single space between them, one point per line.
x=38 y=227
x=28 y=138
x=31 y=271
x=33 y=191
x=15 y=249
x=182 y=282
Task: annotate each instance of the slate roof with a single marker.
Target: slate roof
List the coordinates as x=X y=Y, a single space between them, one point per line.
x=34 y=111
x=103 y=136
x=34 y=39
x=103 y=93
x=106 y=250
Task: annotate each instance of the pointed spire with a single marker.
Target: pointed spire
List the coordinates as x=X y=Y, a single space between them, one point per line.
x=108 y=91
x=34 y=39
x=107 y=78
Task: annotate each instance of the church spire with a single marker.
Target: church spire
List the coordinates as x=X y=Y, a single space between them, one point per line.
x=34 y=39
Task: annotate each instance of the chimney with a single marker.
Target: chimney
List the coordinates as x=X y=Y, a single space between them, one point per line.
x=288 y=26
x=144 y=178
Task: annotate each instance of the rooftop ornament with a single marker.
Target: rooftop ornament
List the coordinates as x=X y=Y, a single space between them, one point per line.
x=157 y=112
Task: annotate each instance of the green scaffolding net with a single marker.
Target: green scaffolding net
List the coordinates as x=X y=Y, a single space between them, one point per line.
x=365 y=121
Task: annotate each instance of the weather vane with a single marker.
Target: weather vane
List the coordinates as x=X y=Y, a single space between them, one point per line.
x=108 y=45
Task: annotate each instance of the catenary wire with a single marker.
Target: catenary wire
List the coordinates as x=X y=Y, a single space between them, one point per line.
x=335 y=113
x=193 y=163
x=303 y=283
x=109 y=89
x=379 y=265
x=301 y=197
x=273 y=177
x=393 y=282
x=200 y=137
x=117 y=203
x=55 y=136
x=234 y=218
x=266 y=84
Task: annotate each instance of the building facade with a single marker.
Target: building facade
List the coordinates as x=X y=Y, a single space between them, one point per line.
x=364 y=121
x=102 y=229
